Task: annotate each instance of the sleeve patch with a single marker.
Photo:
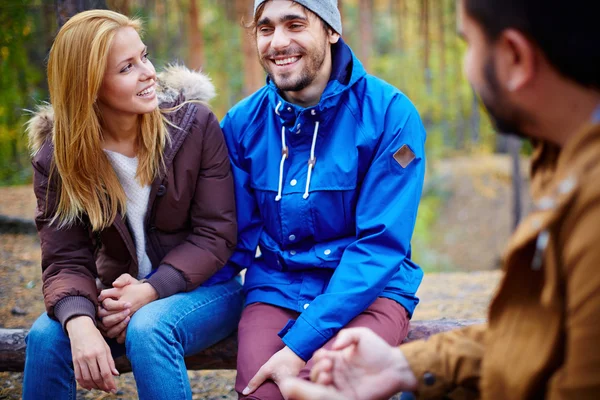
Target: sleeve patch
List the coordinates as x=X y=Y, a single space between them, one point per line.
x=404 y=156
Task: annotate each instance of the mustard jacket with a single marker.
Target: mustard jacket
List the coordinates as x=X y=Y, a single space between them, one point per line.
x=542 y=339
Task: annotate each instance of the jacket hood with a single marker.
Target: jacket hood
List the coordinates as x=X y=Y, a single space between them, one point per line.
x=175 y=83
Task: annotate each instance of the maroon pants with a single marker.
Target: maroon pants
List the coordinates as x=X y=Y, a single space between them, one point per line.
x=258 y=340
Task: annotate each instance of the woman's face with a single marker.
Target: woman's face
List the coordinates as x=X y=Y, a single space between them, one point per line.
x=129 y=81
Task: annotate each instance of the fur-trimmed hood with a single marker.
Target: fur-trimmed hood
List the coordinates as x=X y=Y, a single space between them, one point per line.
x=173 y=82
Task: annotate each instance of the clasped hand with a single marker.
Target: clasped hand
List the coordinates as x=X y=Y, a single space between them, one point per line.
x=119 y=303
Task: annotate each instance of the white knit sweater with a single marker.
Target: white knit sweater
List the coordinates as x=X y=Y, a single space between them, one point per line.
x=137 y=203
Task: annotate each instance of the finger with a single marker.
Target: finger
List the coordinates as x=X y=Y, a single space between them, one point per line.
x=103 y=312
x=113 y=305
x=86 y=377
x=116 y=330
x=112 y=366
x=92 y=364
x=108 y=382
x=78 y=375
x=261 y=376
x=113 y=293
x=322 y=354
x=113 y=320
x=325 y=378
x=124 y=280
x=348 y=337
x=299 y=389
x=323 y=366
x=122 y=337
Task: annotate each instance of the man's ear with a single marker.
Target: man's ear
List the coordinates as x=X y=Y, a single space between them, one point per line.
x=334 y=37
x=517 y=60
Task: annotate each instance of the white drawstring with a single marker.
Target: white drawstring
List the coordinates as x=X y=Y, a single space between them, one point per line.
x=312 y=161
x=284 y=155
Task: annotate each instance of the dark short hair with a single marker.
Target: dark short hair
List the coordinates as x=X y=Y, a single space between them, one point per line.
x=567 y=32
x=253 y=25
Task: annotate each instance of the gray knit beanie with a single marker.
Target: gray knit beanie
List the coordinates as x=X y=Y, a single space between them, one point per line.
x=326 y=9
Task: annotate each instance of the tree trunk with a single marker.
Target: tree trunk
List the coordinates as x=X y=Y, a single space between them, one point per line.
x=120 y=6
x=442 y=73
x=427 y=42
x=65 y=9
x=196 y=42
x=220 y=356
x=366 y=31
x=401 y=16
x=254 y=77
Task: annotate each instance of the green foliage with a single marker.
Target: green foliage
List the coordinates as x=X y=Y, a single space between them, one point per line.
x=434 y=196
x=21 y=77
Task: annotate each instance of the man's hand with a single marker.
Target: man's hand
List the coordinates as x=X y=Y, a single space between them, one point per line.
x=361 y=365
x=92 y=360
x=285 y=363
x=300 y=389
x=120 y=302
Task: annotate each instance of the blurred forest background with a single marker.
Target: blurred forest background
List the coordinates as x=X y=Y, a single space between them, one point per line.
x=409 y=43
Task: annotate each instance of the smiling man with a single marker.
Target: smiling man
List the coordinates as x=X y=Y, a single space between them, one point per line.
x=536 y=65
x=329 y=164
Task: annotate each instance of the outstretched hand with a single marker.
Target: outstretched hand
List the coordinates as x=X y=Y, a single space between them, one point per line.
x=360 y=365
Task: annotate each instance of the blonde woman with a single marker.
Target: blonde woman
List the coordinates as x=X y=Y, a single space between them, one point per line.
x=135 y=214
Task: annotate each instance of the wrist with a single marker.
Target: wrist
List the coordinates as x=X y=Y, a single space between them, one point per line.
x=404 y=376
x=150 y=293
x=79 y=322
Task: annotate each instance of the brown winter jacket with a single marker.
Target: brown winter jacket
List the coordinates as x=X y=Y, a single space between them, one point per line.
x=542 y=339
x=190 y=221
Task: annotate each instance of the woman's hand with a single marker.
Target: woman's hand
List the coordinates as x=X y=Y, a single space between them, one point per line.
x=92 y=360
x=121 y=301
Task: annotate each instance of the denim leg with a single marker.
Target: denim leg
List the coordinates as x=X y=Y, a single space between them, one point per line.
x=161 y=333
x=48 y=366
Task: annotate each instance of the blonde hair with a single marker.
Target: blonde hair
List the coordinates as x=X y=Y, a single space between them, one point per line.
x=88 y=184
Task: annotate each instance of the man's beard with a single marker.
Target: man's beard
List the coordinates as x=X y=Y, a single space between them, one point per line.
x=507 y=118
x=313 y=62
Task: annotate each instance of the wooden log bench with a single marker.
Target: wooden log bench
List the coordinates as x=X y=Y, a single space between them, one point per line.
x=220 y=356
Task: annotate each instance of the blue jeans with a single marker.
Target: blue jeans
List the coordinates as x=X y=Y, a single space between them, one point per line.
x=159 y=335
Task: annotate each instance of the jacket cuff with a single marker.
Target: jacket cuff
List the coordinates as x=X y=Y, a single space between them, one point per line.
x=73 y=306
x=167 y=281
x=426 y=364
x=302 y=338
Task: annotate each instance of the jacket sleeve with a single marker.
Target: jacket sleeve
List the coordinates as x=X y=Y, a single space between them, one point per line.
x=212 y=212
x=384 y=225
x=579 y=376
x=447 y=360
x=248 y=215
x=68 y=264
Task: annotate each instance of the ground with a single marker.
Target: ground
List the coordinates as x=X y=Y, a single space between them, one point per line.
x=466 y=238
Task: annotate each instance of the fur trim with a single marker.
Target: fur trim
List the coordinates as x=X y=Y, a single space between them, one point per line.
x=172 y=82
x=178 y=79
x=39 y=127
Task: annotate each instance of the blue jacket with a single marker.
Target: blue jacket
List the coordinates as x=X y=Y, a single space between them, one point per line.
x=335 y=237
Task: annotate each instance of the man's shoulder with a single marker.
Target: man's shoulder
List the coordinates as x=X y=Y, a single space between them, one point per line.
x=386 y=93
